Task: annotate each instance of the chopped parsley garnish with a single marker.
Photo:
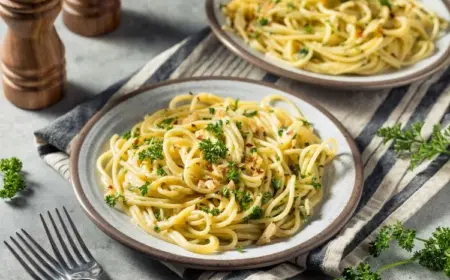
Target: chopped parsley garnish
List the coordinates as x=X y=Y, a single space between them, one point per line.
x=239 y=248
x=266 y=197
x=303 y=51
x=213 y=151
x=306 y=123
x=216 y=128
x=226 y=192
x=157 y=229
x=13 y=179
x=239 y=125
x=276 y=185
x=254 y=35
x=166 y=123
x=127 y=135
x=244 y=199
x=291 y=6
x=315 y=184
x=233 y=172
x=144 y=188
x=111 y=200
x=153 y=152
x=160 y=171
x=253 y=150
x=385 y=3
x=191 y=93
x=263 y=21
x=276 y=1
x=214 y=211
x=257 y=213
x=308 y=29
x=234 y=107
x=212 y=111
x=250 y=114
x=158 y=215
x=281 y=130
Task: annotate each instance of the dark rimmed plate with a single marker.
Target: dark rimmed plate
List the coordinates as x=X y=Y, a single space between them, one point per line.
x=342 y=182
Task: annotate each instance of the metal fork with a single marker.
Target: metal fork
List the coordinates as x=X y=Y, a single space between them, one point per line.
x=41 y=265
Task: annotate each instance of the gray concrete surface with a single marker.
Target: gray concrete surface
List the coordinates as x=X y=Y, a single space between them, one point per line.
x=148 y=28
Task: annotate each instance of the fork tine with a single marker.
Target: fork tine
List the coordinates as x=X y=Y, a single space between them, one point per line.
x=69 y=237
x=22 y=262
x=80 y=241
x=40 y=249
x=54 y=247
x=31 y=261
x=70 y=259
x=37 y=256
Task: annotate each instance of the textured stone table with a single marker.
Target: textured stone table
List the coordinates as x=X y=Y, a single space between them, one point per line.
x=148 y=28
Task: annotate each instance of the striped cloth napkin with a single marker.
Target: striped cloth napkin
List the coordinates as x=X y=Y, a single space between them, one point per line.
x=391 y=192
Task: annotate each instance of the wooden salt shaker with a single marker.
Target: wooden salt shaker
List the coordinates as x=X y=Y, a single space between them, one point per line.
x=91 y=17
x=32 y=56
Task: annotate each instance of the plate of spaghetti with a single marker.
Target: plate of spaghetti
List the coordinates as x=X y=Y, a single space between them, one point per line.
x=217 y=173
x=350 y=44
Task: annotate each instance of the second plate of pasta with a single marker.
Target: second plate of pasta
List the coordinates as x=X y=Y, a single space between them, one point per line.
x=347 y=44
x=217 y=173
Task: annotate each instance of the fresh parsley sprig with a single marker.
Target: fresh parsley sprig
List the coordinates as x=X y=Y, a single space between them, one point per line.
x=410 y=141
x=435 y=254
x=13 y=179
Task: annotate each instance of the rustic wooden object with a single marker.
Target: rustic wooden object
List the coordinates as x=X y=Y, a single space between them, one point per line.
x=32 y=55
x=91 y=17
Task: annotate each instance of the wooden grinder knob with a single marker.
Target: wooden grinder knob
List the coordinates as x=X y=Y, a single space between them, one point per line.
x=91 y=17
x=32 y=56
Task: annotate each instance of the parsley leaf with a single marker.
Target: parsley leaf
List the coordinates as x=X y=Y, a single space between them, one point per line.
x=266 y=197
x=235 y=106
x=144 y=188
x=127 y=135
x=250 y=114
x=244 y=199
x=213 y=151
x=303 y=51
x=157 y=229
x=160 y=171
x=385 y=3
x=316 y=185
x=153 y=152
x=253 y=150
x=226 y=192
x=214 y=211
x=216 y=128
x=233 y=172
x=276 y=185
x=257 y=213
x=263 y=21
x=166 y=123
x=212 y=111
x=111 y=200
x=308 y=29
x=239 y=248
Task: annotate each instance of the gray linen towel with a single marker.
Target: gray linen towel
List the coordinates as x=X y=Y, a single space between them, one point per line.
x=391 y=192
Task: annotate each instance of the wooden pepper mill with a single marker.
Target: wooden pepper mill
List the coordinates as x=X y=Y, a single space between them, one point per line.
x=32 y=55
x=91 y=17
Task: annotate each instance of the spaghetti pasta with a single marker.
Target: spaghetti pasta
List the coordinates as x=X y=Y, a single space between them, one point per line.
x=336 y=37
x=212 y=174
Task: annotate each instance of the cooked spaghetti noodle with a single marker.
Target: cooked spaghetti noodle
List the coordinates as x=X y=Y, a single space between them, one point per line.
x=212 y=174
x=335 y=37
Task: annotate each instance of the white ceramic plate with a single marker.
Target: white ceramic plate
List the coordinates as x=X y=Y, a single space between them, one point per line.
x=394 y=78
x=342 y=180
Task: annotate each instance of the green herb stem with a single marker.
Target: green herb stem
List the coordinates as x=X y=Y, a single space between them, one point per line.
x=388 y=266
